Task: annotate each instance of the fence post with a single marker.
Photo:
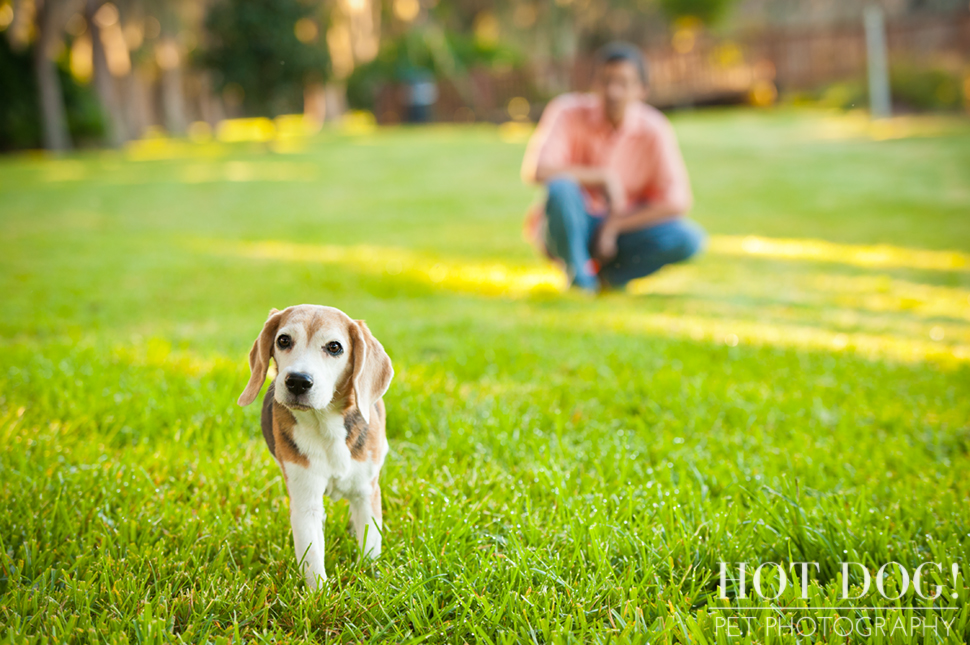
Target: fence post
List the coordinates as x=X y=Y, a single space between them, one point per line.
x=880 y=105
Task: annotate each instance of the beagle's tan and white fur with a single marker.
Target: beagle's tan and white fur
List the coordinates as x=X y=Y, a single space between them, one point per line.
x=324 y=421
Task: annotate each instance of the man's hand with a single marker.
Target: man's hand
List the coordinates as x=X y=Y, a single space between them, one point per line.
x=615 y=192
x=605 y=247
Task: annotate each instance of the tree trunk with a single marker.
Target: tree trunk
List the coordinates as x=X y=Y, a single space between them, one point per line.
x=53 y=115
x=137 y=103
x=335 y=100
x=104 y=82
x=173 y=94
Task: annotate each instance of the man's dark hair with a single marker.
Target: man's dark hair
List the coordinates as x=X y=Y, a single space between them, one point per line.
x=620 y=52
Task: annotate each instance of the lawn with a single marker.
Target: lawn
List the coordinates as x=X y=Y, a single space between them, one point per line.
x=561 y=469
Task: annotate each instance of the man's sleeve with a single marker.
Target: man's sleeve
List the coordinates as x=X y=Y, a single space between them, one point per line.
x=550 y=143
x=670 y=182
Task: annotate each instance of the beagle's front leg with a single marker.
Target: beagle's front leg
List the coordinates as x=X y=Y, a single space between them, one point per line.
x=365 y=516
x=307 y=517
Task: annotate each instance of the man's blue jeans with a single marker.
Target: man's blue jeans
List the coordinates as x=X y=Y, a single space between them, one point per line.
x=571 y=231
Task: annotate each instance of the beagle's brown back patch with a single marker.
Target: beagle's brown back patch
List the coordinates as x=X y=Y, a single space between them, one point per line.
x=363 y=440
x=357 y=431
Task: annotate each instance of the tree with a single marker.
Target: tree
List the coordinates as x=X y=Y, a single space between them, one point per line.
x=50 y=18
x=104 y=84
x=23 y=121
x=707 y=11
x=267 y=49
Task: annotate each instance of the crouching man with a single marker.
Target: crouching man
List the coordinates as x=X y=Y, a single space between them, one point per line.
x=618 y=190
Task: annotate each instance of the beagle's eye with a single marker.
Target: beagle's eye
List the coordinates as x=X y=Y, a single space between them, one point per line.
x=334 y=348
x=284 y=341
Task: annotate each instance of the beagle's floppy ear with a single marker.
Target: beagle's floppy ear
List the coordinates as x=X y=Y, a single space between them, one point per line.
x=372 y=369
x=259 y=357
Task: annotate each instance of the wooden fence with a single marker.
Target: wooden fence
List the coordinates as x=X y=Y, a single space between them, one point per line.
x=715 y=69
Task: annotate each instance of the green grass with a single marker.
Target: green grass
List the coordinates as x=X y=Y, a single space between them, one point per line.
x=561 y=469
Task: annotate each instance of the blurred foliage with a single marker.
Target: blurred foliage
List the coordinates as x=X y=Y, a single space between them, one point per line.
x=85 y=118
x=20 y=116
x=253 y=46
x=926 y=88
x=443 y=54
x=914 y=87
x=844 y=95
x=707 y=11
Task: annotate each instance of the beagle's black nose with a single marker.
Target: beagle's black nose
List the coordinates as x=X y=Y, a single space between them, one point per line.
x=298 y=383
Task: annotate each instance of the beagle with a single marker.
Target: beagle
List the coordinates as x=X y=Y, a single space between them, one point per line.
x=323 y=420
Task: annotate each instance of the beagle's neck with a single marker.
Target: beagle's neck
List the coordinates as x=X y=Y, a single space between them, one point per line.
x=326 y=425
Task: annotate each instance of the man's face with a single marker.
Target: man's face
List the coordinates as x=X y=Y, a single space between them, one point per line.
x=618 y=84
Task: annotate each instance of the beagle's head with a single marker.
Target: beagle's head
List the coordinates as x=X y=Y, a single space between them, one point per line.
x=323 y=358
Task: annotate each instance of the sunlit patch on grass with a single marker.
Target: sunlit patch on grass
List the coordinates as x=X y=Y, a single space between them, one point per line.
x=285 y=134
x=874 y=315
x=515 y=131
x=241 y=130
x=858 y=125
x=486 y=278
x=358 y=122
x=743 y=283
x=158 y=352
x=880 y=255
x=247 y=171
x=740 y=331
x=882 y=293
x=830 y=312
x=160 y=147
x=58 y=170
x=199 y=172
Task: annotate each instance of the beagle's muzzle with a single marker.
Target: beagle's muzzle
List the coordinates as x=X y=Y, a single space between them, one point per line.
x=324 y=421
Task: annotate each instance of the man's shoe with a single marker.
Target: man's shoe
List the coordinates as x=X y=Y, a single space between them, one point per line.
x=586 y=282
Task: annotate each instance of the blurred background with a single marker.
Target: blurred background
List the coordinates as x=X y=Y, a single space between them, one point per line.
x=83 y=73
